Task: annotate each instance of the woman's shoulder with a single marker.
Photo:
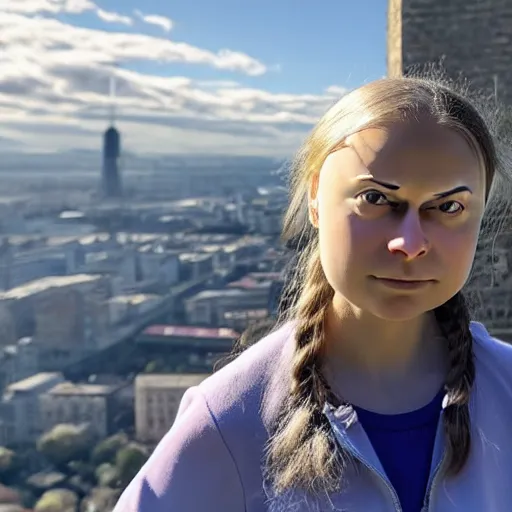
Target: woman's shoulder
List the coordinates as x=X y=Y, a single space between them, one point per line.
x=208 y=442
x=188 y=468
x=254 y=379
x=487 y=343
x=493 y=356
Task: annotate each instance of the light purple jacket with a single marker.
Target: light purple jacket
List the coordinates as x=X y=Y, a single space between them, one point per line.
x=211 y=459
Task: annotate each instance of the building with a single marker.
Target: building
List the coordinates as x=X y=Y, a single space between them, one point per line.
x=71 y=318
x=129 y=308
x=120 y=263
x=20 y=419
x=471 y=38
x=240 y=320
x=157 y=398
x=94 y=404
x=10 y=328
x=187 y=337
x=18 y=362
x=111 y=153
x=163 y=267
x=263 y=216
x=66 y=315
x=193 y=266
x=37 y=259
x=208 y=308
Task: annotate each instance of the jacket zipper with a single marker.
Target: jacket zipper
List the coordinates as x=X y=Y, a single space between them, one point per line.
x=432 y=485
x=373 y=469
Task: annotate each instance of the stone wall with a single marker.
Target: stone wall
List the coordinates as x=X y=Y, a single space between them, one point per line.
x=473 y=37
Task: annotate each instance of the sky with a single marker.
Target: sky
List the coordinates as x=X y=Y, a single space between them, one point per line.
x=227 y=77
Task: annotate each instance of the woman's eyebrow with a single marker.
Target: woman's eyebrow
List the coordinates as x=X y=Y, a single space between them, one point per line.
x=392 y=186
x=389 y=186
x=456 y=190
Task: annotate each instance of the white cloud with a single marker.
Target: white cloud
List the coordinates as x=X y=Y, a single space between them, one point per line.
x=31 y=7
x=163 y=22
x=46 y=6
x=62 y=44
x=113 y=17
x=54 y=87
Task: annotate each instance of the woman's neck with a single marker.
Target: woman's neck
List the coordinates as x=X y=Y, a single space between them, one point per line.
x=367 y=356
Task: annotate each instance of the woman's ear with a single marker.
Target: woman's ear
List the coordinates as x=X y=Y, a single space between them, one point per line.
x=313 y=201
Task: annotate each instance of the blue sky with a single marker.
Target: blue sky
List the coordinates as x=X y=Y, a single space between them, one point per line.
x=319 y=44
x=288 y=59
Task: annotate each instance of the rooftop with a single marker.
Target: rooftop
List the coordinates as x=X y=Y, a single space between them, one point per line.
x=265 y=275
x=214 y=294
x=193 y=257
x=95 y=238
x=69 y=388
x=57 y=240
x=33 y=382
x=137 y=298
x=209 y=248
x=169 y=380
x=190 y=331
x=249 y=283
x=46 y=283
x=249 y=314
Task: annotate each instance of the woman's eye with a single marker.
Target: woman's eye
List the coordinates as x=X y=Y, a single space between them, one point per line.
x=451 y=207
x=374 y=197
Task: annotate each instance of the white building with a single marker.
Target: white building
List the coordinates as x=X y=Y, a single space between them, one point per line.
x=157 y=398
x=20 y=419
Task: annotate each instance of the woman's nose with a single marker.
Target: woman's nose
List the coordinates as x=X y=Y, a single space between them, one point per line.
x=409 y=239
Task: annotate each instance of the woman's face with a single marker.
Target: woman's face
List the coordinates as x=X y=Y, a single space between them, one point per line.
x=399 y=212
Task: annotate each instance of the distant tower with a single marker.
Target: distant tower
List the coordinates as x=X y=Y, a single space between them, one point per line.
x=111 y=152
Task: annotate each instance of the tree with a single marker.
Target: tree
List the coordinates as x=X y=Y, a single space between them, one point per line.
x=155 y=366
x=85 y=470
x=100 y=500
x=129 y=460
x=57 y=500
x=107 y=475
x=10 y=465
x=65 y=443
x=106 y=450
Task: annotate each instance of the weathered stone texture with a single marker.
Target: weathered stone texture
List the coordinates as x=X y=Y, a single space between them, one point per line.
x=395 y=38
x=474 y=37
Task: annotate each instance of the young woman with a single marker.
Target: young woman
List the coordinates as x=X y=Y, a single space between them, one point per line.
x=376 y=392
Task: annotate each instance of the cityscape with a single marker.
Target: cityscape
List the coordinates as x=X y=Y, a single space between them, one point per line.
x=126 y=277
x=112 y=309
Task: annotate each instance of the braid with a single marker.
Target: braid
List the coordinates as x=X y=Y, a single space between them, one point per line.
x=301 y=452
x=454 y=320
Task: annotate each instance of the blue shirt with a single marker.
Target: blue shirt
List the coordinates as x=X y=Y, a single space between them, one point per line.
x=404 y=444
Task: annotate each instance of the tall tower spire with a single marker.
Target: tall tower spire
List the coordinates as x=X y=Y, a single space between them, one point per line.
x=111 y=179
x=112 y=98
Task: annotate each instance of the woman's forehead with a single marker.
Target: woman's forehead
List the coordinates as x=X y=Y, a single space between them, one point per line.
x=426 y=156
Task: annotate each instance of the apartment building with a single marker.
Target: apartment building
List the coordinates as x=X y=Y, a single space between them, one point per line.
x=20 y=418
x=157 y=398
x=18 y=361
x=67 y=402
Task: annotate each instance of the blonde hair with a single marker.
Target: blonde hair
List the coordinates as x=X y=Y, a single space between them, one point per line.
x=301 y=451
